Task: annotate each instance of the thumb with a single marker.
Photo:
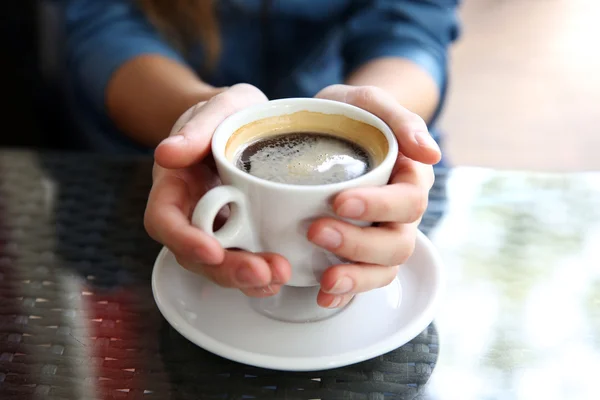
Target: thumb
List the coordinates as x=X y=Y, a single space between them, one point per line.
x=190 y=139
x=410 y=130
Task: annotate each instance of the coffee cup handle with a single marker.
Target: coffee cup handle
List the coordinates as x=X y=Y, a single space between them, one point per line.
x=238 y=230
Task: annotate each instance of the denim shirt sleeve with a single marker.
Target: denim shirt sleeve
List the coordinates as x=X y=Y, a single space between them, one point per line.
x=102 y=35
x=417 y=30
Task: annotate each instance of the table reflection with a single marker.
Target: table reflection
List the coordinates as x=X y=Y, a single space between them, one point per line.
x=521 y=315
x=520 y=318
x=77 y=317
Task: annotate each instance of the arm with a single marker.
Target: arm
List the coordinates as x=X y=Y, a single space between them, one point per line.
x=124 y=72
x=401 y=46
x=412 y=86
x=147 y=94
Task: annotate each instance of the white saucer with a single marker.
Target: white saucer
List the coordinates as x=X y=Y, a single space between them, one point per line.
x=223 y=322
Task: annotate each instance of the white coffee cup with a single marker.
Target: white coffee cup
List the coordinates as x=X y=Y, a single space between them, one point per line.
x=274 y=217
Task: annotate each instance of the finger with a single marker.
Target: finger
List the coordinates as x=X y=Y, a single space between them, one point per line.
x=396 y=202
x=388 y=244
x=239 y=270
x=281 y=270
x=409 y=171
x=248 y=271
x=167 y=222
x=356 y=278
x=192 y=142
x=410 y=129
x=403 y=200
x=266 y=291
x=333 y=301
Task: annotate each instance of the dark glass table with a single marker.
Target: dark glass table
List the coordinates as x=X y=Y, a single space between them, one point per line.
x=520 y=319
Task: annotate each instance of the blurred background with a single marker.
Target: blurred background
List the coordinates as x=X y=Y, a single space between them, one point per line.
x=525 y=90
x=526 y=85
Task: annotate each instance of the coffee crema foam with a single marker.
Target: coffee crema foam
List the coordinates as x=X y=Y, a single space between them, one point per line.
x=307 y=148
x=304 y=158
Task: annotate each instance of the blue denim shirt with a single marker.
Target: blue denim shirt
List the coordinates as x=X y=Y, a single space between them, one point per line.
x=310 y=44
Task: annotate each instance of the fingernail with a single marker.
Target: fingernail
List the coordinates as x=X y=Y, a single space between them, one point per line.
x=267 y=289
x=246 y=276
x=335 y=302
x=328 y=238
x=351 y=208
x=276 y=279
x=175 y=139
x=424 y=139
x=342 y=286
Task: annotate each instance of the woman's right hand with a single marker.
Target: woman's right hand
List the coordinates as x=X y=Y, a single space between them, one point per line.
x=183 y=172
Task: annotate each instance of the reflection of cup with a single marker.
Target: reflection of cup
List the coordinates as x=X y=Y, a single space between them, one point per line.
x=274 y=217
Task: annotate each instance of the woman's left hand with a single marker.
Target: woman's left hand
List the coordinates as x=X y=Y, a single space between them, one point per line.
x=396 y=208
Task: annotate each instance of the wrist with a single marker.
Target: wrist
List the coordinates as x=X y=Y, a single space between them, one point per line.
x=188 y=101
x=201 y=92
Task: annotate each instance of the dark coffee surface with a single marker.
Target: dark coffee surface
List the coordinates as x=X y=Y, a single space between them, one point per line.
x=304 y=158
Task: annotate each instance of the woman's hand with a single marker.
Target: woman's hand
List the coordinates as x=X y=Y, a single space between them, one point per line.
x=183 y=172
x=396 y=208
